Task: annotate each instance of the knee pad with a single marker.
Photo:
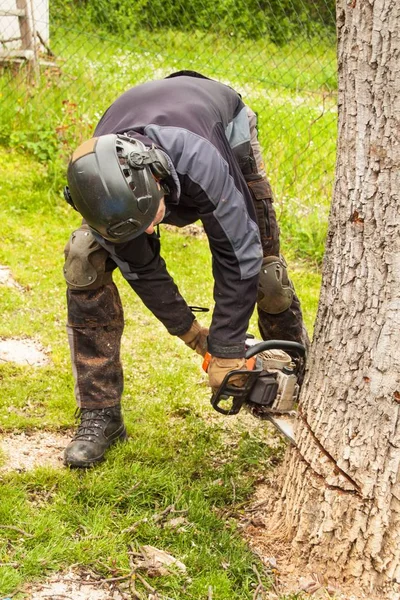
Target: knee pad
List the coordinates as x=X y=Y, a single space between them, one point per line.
x=85 y=261
x=275 y=290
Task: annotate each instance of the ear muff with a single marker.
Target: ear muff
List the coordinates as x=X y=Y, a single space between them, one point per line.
x=159 y=167
x=151 y=157
x=68 y=197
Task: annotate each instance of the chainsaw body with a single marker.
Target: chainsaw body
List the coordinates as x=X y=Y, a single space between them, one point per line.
x=271 y=385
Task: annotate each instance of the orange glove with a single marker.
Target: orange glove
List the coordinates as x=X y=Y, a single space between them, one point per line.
x=196 y=338
x=220 y=367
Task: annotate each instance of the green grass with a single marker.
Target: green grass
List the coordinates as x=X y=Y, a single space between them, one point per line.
x=176 y=452
x=179 y=449
x=292 y=88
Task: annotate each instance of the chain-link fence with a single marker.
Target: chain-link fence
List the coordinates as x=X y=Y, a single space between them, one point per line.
x=62 y=65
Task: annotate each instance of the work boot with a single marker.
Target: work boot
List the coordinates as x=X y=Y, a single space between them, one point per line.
x=98 y=430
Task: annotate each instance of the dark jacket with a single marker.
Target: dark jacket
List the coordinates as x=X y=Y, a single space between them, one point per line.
x=202 y=126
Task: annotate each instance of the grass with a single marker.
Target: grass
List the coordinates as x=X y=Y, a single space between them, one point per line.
x=179 y=450
x=194 y=460
x=292 y=88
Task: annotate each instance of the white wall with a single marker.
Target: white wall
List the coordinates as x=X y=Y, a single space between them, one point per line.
x=9 y=27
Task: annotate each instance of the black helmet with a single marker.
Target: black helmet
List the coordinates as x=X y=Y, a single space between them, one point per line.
x=113 y=184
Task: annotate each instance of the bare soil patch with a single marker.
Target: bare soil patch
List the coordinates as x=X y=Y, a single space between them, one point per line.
x=193 y=230
x=80 y=583
x=23 y=352
x=73 y=586
x=24 y=451
x=8 y=280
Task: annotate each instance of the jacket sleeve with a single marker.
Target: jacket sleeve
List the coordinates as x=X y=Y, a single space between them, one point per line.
x=232 y=240
x=144 y=269
x=211 y=181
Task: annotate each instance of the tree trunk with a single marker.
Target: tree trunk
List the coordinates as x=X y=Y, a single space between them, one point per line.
x=341 y=496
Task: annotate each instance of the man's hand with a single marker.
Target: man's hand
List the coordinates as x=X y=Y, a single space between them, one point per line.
x=196 y=338
x=220 y=367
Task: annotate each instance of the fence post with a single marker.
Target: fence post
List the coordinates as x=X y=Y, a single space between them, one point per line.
x=24 y=26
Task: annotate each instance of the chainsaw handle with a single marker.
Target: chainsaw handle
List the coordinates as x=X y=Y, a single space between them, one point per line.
x=238 y=395
x=276 y=345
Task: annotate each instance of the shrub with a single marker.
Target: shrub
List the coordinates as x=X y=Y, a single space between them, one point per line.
x=280 y=20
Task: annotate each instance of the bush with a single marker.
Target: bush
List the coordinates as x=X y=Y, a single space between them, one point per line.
x=280 y=20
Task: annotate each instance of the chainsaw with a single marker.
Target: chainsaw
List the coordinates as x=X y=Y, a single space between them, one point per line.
x=271 y=388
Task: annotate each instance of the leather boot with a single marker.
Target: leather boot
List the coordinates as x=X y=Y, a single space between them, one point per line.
x=98 y=430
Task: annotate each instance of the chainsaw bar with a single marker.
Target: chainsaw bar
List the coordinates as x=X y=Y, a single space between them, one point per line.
x=284 y=423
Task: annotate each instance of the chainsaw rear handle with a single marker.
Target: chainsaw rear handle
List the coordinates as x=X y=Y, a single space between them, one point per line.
x=293 y=347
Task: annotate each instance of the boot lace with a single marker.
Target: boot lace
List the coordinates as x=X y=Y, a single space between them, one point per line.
x=93 y=422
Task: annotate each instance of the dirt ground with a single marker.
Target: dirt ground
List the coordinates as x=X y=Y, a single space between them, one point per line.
x=73 y=586
x=23 y=352
x=274 y=550
x=8 y=280
x=24 y=451
x=193 y=230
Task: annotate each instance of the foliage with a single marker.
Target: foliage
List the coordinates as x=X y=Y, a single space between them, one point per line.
x=280 y=20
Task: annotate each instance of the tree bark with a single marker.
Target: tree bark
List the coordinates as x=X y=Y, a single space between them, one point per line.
x=341 y=495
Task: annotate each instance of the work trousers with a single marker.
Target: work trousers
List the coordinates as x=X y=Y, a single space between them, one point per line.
x=287 y=325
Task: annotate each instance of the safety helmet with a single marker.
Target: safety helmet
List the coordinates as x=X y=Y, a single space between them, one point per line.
x=113 y=184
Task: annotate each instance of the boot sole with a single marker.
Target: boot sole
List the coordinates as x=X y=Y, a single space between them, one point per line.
x=118 y=436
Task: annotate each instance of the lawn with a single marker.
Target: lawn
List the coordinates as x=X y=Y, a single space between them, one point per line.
x=179 y=451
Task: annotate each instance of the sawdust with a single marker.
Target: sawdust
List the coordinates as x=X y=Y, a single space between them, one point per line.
x=24 y=451
x=23 y=352
x=73 y=586
x=8 y=280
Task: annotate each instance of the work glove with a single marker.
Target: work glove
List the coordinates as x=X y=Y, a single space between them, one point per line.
x=196 y=338
x=220 y=367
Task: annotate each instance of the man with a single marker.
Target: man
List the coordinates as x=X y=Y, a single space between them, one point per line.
x=176 y=151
